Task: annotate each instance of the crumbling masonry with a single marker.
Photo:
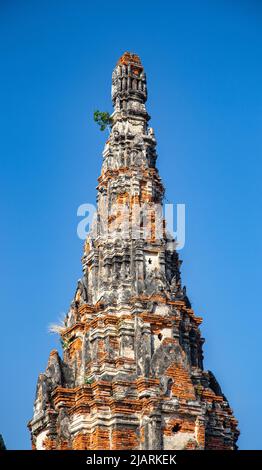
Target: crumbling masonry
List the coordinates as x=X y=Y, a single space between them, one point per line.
x=132 y=372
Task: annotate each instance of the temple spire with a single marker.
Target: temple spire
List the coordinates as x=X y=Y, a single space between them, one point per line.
x=132 y=374
x=129 y=89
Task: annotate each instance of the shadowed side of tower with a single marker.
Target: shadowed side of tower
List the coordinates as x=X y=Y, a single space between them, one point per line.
x=132 y=375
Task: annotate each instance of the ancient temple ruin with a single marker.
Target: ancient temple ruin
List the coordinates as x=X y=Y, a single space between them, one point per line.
x=131 y=375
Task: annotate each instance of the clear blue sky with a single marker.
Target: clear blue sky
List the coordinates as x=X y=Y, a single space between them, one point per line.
x=204 y=67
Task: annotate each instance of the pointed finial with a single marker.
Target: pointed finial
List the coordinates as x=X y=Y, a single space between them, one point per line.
x=130 y=58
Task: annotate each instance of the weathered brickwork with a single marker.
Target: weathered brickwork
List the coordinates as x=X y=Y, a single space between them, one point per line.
x=132 y=374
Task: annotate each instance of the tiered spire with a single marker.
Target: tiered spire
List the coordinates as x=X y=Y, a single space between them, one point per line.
x=132 y=373
x=129 y=91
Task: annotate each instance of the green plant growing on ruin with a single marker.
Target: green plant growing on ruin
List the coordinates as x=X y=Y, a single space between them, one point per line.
x=64 y=343
x=199 y=389
x=87 y=381
x=103 y=119
x=2 y=443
